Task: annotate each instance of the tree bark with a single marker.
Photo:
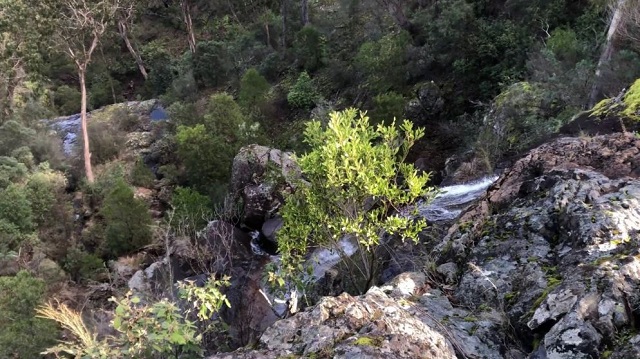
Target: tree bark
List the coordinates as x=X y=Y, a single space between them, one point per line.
x=122 y=29
x=283 y=12
x=83 y=125
x=305 y=12
x=607 y=52
x=185 y=6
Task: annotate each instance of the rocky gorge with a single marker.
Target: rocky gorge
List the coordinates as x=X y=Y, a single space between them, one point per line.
x=544 y=265
x=540 y=262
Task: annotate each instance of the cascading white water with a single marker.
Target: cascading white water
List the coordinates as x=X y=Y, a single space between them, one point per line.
x=452 y=200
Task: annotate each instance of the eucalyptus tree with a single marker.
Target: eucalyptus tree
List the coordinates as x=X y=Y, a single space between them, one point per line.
x=125 y=16
x=80 y=26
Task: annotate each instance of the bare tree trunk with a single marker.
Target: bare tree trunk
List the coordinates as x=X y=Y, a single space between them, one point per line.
x=185 y=6
x=122 y=29
x=607 y=52
x=83 y=124
x=305 y=12
x=266 y=29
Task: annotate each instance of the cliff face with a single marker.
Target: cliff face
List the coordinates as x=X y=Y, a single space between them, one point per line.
x=545 y=265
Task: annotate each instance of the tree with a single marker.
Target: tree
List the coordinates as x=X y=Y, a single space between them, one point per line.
x=125 y=17
x=82 y=24
x=615 y=23
x=304 y=7
x=355 y=182
x=185 y=8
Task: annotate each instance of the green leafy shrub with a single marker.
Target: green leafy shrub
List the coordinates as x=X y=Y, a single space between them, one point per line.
x=14 y=135
x=22 y=335
x=127 y=221
x=141 y=175
x=356 y=178
x=23 y=155
x=11 y=171
x=388 y=107
x=207 y=149
x=210 y=64
x=144 y=330
x=67 y=100
x=83 y=266
x=191 y=209
x=303 y=94
x=383 y=62
x=184 y=113
x=253 y=89
x=158 y=61
x=45 y=189
x=15 y=208
x=310 y=48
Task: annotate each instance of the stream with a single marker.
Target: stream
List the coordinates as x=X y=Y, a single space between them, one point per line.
x=447 y=205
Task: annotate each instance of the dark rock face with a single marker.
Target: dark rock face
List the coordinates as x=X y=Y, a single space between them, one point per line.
x=259 y=178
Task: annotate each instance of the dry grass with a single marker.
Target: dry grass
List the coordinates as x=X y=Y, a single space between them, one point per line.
x=71 y=321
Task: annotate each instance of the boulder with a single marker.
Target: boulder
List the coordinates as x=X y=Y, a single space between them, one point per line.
x=383 y=323
x=554 y=246
x=260 y=176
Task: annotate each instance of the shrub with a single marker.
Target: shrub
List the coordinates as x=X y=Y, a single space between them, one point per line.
x=388 y=107
x=22 y=335
x=356 y=179
x=83 y=266
x=67 y=100
x=23 y=155
x=210 y=64
x=127 y=220
x=14 y=135
x=253 y=90
x=106 y=142
x=44 y=189
x=383 y=61
x=191 y=209
x=15 y=208
x=303 y=93
x=11 y=171
x=158 y=62
x=207 y=149
x=141 y=175
x=310 y=49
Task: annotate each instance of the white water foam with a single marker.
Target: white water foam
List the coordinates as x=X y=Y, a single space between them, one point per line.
x=451 y=200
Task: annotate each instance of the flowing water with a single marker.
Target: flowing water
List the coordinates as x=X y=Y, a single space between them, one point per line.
x=446 y=206
x=452 y=200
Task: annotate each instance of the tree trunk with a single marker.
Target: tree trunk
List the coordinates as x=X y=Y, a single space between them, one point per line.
x=186 y=17
x=607 y=52
x=266 y=29
x=305 y=12
x=83 y=124
x=122 y=29
x=283 y=12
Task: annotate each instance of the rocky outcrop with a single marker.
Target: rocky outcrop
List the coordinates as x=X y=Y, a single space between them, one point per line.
x=384 y=323
x=545 y=265
x=554 y=246
x=259 y=178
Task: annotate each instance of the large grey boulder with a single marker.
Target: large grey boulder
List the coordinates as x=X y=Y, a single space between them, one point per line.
x=383 y=323
x=554 y=246
x=260 y=178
